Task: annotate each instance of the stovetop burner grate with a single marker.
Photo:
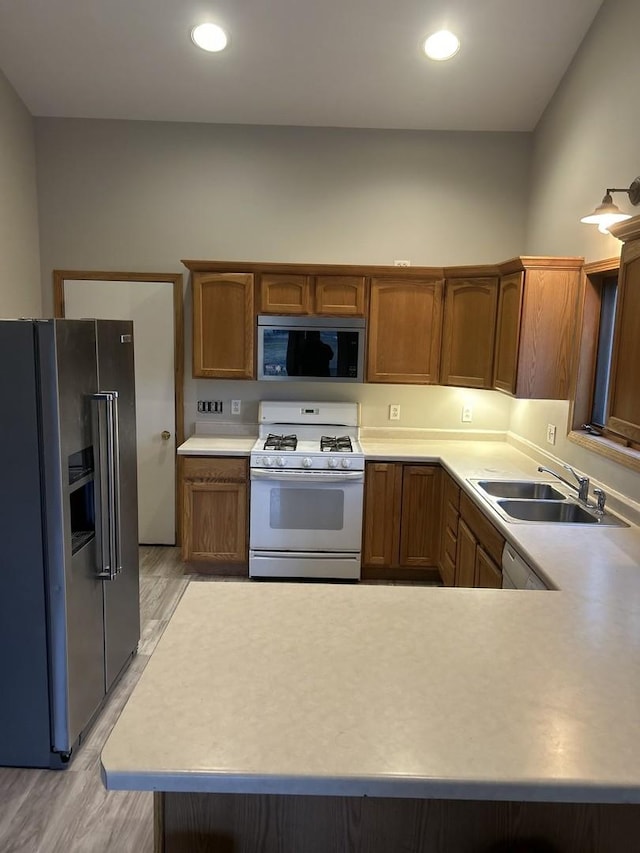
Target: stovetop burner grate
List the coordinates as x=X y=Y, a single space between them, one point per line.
x=281 y=442
x=341 y=443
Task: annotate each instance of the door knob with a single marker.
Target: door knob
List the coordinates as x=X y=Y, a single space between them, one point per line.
x=166 y=435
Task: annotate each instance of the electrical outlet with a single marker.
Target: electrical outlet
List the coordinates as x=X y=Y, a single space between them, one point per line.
x=210 y=407
x=402 y=263
x=551 y=433
x=235 y=407
x=467 y=415
x=394 y=412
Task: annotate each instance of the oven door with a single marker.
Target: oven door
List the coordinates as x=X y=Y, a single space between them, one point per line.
x=306 y=511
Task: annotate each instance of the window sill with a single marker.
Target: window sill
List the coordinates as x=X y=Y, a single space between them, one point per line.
x=626 y=456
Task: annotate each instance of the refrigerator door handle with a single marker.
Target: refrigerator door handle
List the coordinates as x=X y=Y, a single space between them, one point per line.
x=107 y=495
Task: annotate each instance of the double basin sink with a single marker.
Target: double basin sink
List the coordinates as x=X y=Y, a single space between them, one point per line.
x=534 y=501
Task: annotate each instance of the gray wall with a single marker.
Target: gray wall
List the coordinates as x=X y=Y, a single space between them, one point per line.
x=139 y=196
x=586 y=141
x=20 y=293
x=143 y=195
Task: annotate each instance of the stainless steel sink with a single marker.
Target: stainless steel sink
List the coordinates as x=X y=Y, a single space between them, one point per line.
x=528 y=489
x=566 y=512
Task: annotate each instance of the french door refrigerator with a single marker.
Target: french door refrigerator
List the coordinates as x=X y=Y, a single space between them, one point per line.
x=69 y=598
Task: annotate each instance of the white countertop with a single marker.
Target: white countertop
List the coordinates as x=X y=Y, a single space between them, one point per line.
x=403 y=691
x=210 y=445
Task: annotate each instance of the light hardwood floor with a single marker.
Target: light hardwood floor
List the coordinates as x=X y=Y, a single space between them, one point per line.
x=46 y=811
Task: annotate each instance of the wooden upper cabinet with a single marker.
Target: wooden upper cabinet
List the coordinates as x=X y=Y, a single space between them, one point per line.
x=342 y=295
x=223 y=325
x=405 y=324
x=469 y=332
x=534 y=346
x=505 y=365
x=285 y=294
x=337 y=295
x=624 y=385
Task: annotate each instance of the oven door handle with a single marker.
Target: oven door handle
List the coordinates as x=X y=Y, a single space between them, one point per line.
x=304 y=477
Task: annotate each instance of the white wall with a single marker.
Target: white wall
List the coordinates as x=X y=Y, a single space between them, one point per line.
x=586 y=141
x=20 y=293
x=431 y=407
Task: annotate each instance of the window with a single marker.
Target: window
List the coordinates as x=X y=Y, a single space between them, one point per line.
x=608 y=293
x=595 y=420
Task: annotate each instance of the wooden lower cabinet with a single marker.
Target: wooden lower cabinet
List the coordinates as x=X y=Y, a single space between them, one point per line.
x=479 y=548
x=215 y=513
x=466 y=556
x=487 y=574
x=402 y=520
x=186 y=822
x=449 y=537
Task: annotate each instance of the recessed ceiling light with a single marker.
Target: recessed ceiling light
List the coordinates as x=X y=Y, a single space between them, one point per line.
x=209 y=37
x=442 y=45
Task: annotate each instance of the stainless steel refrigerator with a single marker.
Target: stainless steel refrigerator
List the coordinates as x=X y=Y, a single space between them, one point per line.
x=69 y=586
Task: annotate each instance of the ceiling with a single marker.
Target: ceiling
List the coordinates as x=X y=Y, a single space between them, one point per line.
x=335 y=63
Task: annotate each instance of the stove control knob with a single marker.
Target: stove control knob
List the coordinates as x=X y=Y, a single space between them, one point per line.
x=307 y=462
x=268 y=461
x=333 y=463
x=346 y=463
x=280 y=462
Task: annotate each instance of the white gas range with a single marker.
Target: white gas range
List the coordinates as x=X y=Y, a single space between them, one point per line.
x=307 y=488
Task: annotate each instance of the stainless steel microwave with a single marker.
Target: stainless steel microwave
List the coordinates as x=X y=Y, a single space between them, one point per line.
x=311 y=348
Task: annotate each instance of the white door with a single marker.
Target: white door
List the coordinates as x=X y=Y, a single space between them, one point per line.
x=150 y=305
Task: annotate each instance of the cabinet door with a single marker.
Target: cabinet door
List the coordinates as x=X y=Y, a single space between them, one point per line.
x=545 y=350
x=215 y=522
x=469 y=332
x=341 y=295
x=466 y=556
x=405 y=324
x=487 y=573
x=381 y=513
x=223 y=325
x=421 y=514
x=505 y=367
x=285 y=294
x=624 y=400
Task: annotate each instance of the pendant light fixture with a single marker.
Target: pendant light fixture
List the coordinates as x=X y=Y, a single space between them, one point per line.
x=607 y=213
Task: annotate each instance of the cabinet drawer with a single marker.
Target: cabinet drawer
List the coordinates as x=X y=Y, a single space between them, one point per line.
x=221 y=469
x=489 y=537
x=450 y=544
x=448 y=570
x=451 y=519
x=451 y=491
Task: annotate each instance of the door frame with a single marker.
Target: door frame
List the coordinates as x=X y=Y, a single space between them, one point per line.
x=176 y=279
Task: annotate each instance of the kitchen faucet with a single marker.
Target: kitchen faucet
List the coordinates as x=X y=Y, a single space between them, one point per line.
x=583 y=482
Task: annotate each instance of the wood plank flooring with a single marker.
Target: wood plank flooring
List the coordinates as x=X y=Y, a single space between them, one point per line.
x=69 y=811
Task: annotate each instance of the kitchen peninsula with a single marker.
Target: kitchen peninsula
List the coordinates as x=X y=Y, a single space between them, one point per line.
x=317 y=717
